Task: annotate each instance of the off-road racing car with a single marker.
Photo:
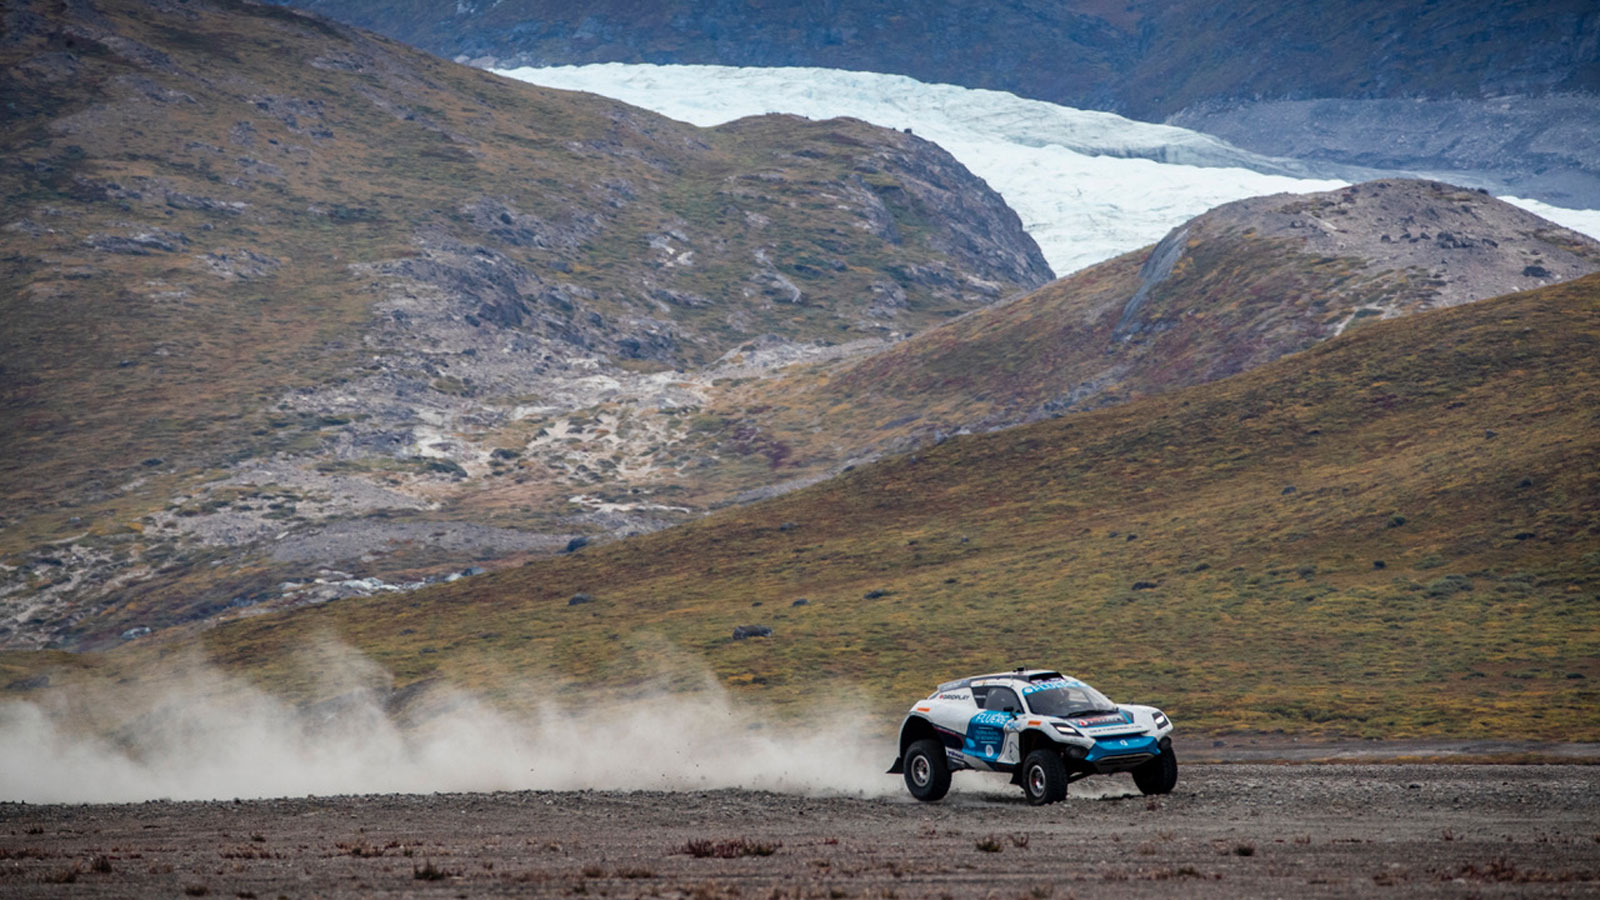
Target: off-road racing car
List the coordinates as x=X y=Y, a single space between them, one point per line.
x=1045 y=729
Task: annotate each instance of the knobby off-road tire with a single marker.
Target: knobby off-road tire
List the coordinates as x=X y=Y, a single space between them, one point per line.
x=1044 y=777
x=927 y=770
x=1159 y=775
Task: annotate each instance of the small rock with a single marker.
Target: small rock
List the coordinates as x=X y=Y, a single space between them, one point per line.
x=788 y=526
x=580 y=599
x=1535 y=272
x=800 y=602
x=873 y=595
x=1145 y=585
x=1489 y=433
x=1288 y=490
x=576 y=544
x=751 y=631
x=1379 y=564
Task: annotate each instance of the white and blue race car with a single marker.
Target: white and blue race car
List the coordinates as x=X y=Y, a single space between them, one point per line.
x=1045 y=729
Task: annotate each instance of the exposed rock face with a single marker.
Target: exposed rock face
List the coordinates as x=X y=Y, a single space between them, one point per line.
x=376 y=280
x=1465 y=245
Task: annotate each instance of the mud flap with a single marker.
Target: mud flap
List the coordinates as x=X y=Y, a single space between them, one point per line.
x=898 y=768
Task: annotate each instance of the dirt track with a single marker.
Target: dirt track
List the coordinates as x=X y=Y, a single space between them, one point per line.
x=1229 y=831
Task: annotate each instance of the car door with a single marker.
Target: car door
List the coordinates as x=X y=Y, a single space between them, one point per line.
x=988 y=740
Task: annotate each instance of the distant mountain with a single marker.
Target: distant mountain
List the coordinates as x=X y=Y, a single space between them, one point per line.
x=1391 y=534
x=1147 y=58
x=1508 y=90
x=269 y=280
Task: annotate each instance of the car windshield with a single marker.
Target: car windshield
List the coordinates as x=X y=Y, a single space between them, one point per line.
x=1066 y=697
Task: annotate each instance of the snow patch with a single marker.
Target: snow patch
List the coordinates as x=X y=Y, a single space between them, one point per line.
x=1087 y=185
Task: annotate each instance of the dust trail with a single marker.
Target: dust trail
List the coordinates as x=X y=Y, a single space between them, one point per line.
x=207 y=737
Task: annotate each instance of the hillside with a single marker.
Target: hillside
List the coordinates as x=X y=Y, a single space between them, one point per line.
x=1227 y=291
x=1230 y=290
x=1394 y=533
x=269 y=280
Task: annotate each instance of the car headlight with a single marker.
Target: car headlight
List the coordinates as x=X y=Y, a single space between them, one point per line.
x=1064 y=728
x=1161 y=720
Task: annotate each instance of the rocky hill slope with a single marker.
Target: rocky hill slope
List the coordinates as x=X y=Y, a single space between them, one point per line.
x=1231 y=290
x=268 y=280
x=1391 y=534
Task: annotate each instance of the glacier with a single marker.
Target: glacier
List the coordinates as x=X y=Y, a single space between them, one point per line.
x=1087 y=185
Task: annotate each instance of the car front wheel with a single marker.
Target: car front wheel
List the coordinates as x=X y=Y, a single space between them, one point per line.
x=1159 y=775
x=1044 y=777
x=927 y=770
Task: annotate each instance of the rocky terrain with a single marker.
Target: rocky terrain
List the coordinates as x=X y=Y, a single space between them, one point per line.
x=1231 y=290
x=1500 y=97
x=268 y=276
x=1228 y=831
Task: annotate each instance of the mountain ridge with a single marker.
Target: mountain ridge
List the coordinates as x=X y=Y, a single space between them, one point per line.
x=1150 y=59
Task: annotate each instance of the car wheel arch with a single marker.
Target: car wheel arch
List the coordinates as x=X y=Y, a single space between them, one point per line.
x=916 y=728
x=1029 y=740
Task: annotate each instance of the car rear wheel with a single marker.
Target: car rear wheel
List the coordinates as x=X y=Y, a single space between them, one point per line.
x=1044 y=777
x=1159 y=775
x=927 y=770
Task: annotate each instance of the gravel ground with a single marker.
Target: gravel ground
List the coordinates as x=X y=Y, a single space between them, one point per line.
x=1228 y=831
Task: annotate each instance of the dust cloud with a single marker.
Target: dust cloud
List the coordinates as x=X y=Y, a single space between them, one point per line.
x=205 y=736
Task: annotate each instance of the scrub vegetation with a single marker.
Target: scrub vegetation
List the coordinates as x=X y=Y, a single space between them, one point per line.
x=1395 y=533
